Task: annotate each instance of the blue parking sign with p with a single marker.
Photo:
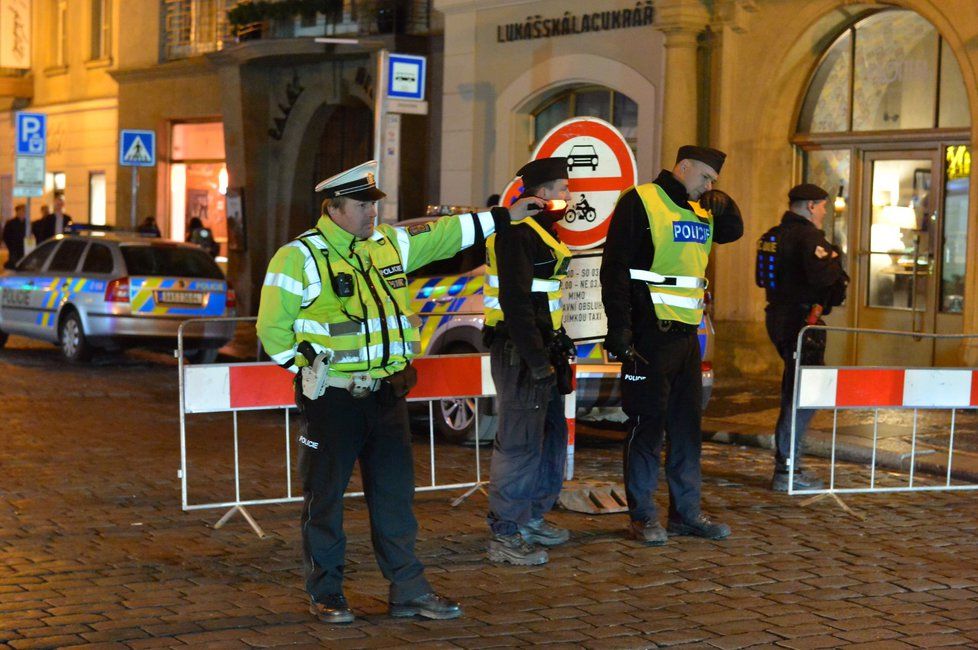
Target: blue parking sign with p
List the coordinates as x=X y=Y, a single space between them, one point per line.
x=31 y=134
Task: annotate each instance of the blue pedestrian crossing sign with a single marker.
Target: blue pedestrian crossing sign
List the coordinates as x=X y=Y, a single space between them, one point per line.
x=31 y=134
x=137 y=148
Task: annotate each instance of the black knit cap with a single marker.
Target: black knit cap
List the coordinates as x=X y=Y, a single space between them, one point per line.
x=712 y=157
x=807 y=192
x=544 y=170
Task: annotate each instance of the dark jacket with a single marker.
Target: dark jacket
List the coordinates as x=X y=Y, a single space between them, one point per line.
x=44 y=228
x=521 y=256
x=13 y=239
x=628 y=304
x=807 y=272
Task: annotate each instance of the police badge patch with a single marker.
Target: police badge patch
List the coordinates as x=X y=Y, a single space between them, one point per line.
x=420 y=228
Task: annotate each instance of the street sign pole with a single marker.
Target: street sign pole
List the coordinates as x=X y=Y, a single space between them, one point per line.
x=135 y=195
x=27 y=227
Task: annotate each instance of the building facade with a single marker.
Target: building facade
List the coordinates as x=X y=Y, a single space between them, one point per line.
x=248 y=117
x=875 y=101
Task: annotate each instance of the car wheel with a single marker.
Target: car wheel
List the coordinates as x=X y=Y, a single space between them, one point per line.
x=202 y=355
x=71 y=338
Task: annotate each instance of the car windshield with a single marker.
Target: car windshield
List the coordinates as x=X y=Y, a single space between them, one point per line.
x=172 y=261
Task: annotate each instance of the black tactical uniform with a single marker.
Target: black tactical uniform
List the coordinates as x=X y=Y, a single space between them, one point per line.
x=809 y=272
x=665 y=394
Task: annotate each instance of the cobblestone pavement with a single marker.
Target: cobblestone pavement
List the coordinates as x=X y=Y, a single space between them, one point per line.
x=94 y=548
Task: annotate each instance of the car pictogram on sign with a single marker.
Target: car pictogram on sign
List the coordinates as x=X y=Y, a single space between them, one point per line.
x=582 y=155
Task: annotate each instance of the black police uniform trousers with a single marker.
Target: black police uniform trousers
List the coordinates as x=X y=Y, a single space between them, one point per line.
x=663 y=400
x=340 y=430
x=530 y=451
x=783 y=323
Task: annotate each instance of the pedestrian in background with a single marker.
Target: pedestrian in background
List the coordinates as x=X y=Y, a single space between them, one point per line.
x=653 y=279
x=13 y=236
x=528 y=351
x=149 y=228
x=198 y=234
x=52 y=223
x=335 y=308
x=808 y=280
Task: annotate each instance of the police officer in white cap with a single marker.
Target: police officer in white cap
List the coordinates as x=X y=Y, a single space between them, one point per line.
x=335 y=310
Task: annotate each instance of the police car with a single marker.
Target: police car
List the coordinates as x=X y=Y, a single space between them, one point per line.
x=447 y=295
x=112 y=291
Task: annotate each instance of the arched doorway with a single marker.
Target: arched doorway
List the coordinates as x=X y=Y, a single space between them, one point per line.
x=342 y=136
x=885 y=126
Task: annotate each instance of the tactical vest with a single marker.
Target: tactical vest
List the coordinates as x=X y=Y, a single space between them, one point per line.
x=682 y=239
x=549 y=286
x=373 y=329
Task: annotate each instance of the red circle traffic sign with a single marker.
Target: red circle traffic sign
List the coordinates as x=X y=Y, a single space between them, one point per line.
x=600 y=165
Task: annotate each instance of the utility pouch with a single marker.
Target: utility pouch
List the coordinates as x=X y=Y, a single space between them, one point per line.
x=401 y=383
x=563 y=374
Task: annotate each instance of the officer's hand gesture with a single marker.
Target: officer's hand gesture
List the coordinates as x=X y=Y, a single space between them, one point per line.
x=520 y=210
x=618 y=343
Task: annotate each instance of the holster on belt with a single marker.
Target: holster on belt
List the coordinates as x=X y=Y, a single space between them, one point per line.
x=562 y=349
x=403 y=381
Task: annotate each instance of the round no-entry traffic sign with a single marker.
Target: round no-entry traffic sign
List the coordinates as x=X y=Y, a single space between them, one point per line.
x=600 y=165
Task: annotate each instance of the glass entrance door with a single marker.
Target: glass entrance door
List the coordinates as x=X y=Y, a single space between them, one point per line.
x=901 y=236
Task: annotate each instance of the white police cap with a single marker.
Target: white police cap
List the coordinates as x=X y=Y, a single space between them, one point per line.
x=358 y=183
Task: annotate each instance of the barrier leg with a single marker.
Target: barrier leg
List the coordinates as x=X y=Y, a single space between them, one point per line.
x=478 y=467
x=247 y=516
x=838 y=500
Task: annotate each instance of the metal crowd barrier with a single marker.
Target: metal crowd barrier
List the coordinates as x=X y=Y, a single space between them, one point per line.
x=254 y=386
x=914 y=394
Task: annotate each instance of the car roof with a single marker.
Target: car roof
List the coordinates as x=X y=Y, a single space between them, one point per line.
x=127 y=239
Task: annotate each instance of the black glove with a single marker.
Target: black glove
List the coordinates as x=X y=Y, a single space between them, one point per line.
x=563 y=344
x=716 y=202
x=618 y=343
x=542 y=373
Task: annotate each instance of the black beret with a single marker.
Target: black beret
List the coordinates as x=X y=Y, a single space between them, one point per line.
x=712 y=157
x=807 y=192
x=538 y=172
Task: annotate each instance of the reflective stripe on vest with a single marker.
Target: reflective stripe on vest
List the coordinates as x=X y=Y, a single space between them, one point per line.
x=551 y=286
x=681 y=281
x=353 y=328
x=682 y=238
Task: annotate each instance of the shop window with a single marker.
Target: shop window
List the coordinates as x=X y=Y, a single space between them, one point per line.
x=957 y=173
x=826 y=107
x=198 y=181
x=588 y=101
x=889 y=71
x=953 y=98
x=829 y=168
x=96 y=198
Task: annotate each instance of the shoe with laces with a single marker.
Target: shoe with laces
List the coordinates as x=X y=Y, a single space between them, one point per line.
x=331 y=609
x=430 y=605
x=539 y=531
x=803 y=481
x=701 y=526
x=513 y=549
x=648 y=531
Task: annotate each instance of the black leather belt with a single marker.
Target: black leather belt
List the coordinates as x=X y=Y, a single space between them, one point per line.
x=676 y=327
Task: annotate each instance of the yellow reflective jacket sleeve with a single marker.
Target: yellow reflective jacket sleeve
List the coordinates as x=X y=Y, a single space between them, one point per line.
x=281 y=300
x=436 y=240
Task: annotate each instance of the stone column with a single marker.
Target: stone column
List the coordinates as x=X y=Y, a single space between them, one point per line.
x=681 y=21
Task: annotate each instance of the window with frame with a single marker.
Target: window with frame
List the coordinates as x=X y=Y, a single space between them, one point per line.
x=588 y=101
x=101 y=30
x=59 y=33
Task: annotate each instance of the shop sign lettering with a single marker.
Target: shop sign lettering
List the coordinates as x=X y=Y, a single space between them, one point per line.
x=597 y=21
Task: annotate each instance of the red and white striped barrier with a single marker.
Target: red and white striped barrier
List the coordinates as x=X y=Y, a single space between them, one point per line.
x=249 y=386
x=217 y=388
x=884 y=389
x=846 y=388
